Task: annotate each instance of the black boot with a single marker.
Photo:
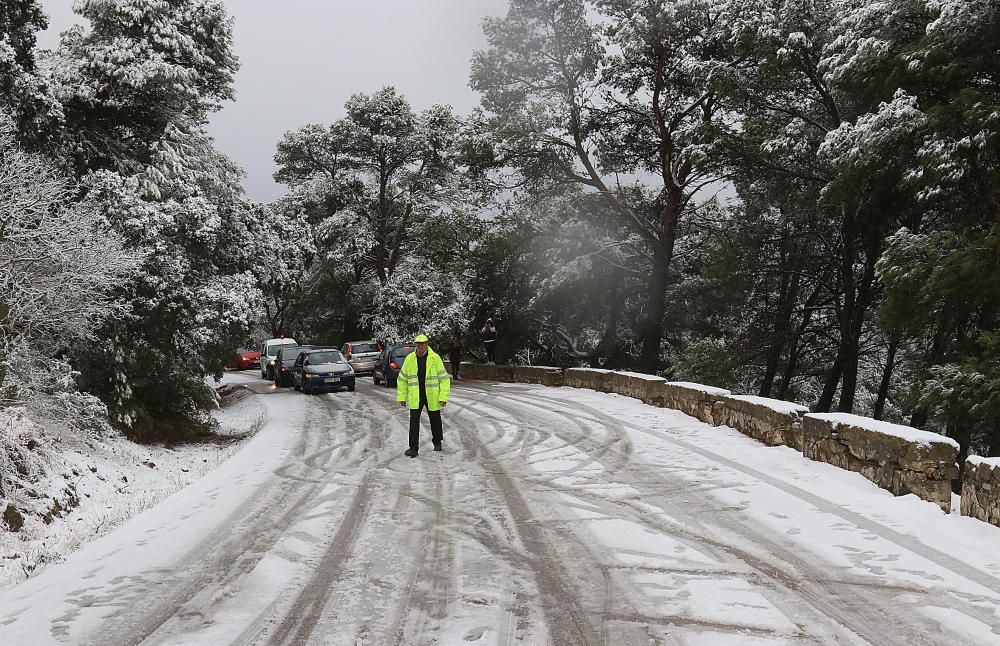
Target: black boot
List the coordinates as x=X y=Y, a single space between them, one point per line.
x=410 y=453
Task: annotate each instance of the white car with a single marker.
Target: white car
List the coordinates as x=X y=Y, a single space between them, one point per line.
x=268 y=350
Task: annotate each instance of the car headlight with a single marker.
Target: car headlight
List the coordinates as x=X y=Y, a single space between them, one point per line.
x=271 y=362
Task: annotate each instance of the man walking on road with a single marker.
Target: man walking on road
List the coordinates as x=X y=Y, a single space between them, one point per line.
x=423 y=381
x=489 y=336
x=455 y=355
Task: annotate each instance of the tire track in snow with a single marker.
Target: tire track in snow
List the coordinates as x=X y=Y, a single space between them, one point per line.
x=235 y=547
x=866 y=614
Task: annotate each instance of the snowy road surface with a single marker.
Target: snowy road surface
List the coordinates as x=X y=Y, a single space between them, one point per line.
x=553 y=516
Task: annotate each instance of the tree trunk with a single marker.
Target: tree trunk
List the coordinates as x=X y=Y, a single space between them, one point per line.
x=961 y=432
x=860 y=302
x=793 y=352
x=656 y=299
x=787 y=294
x=883 y=387
x=994 y=447
x=832 y=380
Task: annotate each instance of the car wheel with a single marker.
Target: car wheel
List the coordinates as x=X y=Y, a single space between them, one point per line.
x=350 y=389
x=376 y=380
x=297 y=387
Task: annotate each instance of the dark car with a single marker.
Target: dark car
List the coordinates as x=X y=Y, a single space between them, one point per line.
x=283 y=363
x=322 y=370
x=362 y=355
x=268 y=349
x=389 y=362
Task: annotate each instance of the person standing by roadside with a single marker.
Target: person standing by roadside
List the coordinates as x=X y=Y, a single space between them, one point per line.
x=455 y=355
x=489 y=337
x=423 y=381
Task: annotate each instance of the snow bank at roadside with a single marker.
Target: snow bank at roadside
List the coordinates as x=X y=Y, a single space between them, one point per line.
x=82 y=487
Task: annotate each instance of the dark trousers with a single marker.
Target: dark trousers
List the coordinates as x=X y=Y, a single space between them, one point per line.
x=436 y=432
x=491 y=351
x=456 y=363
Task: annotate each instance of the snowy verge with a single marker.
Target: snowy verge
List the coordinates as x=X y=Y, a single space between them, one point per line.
x=83 y=487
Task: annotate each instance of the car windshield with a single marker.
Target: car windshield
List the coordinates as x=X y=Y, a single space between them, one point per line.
x=361 y=348
x=326 y=356
x=273 y=349
x=399 y=353
x=290 y=355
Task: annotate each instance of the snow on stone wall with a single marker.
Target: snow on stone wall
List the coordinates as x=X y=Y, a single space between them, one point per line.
x=771 y=421
x=698 y=401
x=592 y=378
x=981 y=489
x=897 y=458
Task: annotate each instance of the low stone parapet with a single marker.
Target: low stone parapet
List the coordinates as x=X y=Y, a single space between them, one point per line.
x=472 y=370
x=696 y=400
x=981 y=489
x=897 y=458
x=646 y=388
x=545 y=375
x=593 y=378
x=772 y=421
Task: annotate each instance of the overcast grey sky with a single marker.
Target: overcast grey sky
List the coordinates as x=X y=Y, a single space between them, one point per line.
x=301 y=60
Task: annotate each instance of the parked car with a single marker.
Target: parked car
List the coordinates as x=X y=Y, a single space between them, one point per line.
x=362 y=355
x=322 y=370
x=283 y=362
x=244 y=359
x=268 y=350
x=389 y=362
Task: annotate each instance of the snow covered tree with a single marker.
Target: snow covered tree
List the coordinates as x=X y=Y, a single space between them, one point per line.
x=142 y=67
x=578 y=101
x=135 y=90
x=383 y=188
x=24 y=92
x=392 y=168
x=59 y=264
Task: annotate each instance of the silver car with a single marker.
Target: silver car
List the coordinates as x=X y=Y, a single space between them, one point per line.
x=362 y=355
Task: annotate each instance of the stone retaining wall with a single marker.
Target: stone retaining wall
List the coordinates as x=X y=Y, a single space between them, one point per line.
x=700 y=402
x=897 y=458
x=981 y=489
x=646 y=388
x=771 y=421
x=592 y=378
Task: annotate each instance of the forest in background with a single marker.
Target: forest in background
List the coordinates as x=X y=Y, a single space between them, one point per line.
x=791 y=198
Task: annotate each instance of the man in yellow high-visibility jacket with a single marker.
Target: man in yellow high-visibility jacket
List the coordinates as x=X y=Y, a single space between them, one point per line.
x=423 y=381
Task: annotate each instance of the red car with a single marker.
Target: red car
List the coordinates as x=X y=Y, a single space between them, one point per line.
x=244 y=359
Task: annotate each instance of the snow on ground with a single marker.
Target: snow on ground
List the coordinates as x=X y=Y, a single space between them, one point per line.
x=113 y=479
x=779 y=477
x=553 y=514
x=858 y=531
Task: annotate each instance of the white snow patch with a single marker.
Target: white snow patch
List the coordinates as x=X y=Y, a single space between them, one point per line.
x=641 y=375
x=978 y=459
x=710 y=390
x=922 y=438
x=779 y=405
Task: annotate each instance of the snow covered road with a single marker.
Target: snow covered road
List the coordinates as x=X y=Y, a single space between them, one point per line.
x=553 y=515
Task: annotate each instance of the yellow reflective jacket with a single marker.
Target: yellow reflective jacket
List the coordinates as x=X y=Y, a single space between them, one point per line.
x=437 y=382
